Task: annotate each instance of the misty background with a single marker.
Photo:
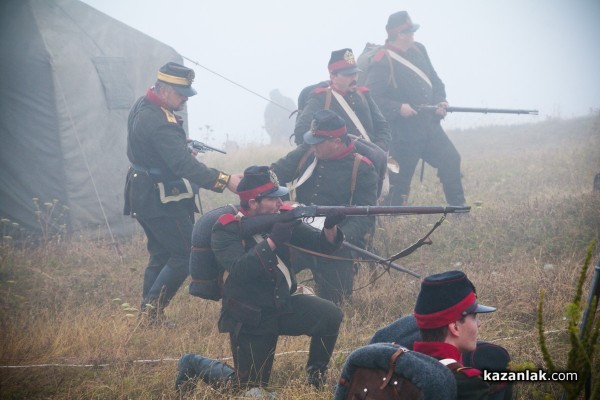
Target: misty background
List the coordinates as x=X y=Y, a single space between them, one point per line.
x=526 y=54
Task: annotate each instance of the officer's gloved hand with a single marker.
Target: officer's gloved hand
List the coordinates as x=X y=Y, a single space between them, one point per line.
x=282 y=231
x=333 y=217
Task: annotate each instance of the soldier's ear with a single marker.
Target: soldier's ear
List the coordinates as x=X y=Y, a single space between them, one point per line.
x=253 y=204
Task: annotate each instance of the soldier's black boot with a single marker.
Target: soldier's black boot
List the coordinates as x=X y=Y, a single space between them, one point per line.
x=212 y=372
x=321 y=349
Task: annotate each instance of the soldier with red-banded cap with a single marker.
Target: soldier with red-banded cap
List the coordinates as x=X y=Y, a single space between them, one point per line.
x=260 y=297
x=344 y=97
x=158 y=189
x=331 y=173
x=446 y=314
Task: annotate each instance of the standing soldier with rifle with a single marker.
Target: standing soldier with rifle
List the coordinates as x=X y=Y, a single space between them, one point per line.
x=364 y=121
x=158 y=189
x=351 y=102
x=400 y=77
x=332 y=174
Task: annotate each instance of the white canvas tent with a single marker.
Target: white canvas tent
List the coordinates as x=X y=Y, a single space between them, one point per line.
x=68 y=77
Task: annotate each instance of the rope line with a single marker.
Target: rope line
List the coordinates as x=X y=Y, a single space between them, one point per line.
x=169 y=359
x=236 y=84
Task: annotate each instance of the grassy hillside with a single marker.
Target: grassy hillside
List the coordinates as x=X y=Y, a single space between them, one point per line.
x=534 y=214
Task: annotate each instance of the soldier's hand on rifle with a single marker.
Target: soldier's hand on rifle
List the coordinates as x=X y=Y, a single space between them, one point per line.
x=441 y=109
x=282 y=232
x=332 y=218
x=406 y=110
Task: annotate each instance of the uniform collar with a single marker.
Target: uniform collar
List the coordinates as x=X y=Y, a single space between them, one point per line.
x=438 y=350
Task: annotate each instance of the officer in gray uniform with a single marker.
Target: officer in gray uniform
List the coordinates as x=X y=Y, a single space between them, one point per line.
x=159 y=188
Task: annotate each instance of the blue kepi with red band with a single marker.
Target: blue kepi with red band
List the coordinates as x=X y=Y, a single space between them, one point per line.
x=445 y=298
x=325 y=125
x=259 y=181
x=343 y=62
x=400 y=22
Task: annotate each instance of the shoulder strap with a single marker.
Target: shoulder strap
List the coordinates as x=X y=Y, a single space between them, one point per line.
x=351 y=114
x=401 y=350
x=280 y=265
x=301 y=179
x=410 y=66
x=328 y=98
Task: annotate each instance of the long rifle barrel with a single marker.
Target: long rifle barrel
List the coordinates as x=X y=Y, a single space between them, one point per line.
x=319 y=211
x=452 y=109
x=491 y=110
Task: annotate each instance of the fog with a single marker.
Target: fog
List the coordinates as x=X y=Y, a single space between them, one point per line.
x=530 y=54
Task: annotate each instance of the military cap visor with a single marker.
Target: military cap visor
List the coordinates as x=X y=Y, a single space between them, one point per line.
x=477 y=308
x=185 y=91
x=310 y=138
x=349 y=71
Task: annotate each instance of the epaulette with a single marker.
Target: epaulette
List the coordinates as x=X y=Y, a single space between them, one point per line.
x=379 y=56
x=226 y=219
x=362 y=89
x=320 y=89
x=470 y=372
x=170 y=116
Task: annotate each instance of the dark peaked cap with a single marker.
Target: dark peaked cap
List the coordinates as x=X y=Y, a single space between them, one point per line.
x=179 y=77
x=445 y=298
x=259 y=181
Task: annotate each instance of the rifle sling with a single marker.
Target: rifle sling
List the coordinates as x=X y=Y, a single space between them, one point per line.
x=280 y=264
x=350 y=113
x=410 y=66
x=424 y=240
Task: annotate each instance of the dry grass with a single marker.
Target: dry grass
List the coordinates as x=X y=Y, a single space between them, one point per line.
x=536 y=218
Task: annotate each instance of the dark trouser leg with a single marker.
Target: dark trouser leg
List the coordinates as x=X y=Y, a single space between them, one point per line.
x=320 y=319
x=442 y=155
x=334 y=278
x=158 y=257
x=170 y=236
x=407 y=154
x=253 y=357
x=212 y=372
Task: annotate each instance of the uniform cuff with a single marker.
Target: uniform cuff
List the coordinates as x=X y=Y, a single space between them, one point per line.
x=221 y=182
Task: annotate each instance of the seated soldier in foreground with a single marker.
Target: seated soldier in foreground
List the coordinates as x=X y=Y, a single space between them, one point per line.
x=446 y=313
x=260 y=301
x=408 y=330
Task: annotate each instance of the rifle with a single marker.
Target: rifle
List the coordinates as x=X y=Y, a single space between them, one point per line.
x=478 y=110
x=264 y=223
x=202 y=148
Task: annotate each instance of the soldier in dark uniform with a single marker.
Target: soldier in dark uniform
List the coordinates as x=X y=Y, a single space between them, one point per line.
x=158 y=189
x=260 y=298
x=446 y=314
x=331 y=173
x=401 y=78
x=343 y=74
